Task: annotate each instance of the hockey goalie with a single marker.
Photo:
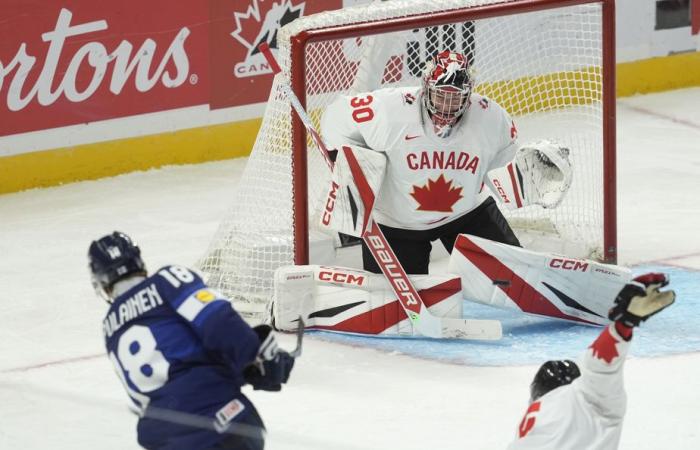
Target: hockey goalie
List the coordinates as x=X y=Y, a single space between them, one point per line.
x=424 y=154
x=480 y=270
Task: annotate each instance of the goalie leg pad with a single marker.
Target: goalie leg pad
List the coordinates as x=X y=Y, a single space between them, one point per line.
x=537 y=283
x=355 y=301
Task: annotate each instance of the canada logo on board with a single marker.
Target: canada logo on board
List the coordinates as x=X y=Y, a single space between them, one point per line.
x=257 y=24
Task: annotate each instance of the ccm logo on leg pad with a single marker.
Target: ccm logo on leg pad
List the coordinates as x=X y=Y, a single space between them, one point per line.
x=568 y=264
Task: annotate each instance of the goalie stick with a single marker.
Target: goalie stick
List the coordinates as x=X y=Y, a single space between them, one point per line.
x=422 y=320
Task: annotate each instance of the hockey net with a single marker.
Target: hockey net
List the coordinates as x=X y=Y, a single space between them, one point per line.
x=546 y=62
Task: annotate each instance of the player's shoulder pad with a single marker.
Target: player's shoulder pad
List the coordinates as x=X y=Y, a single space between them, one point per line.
x=490 y=111
x=481 y=102
x=185 y=290
x=176 y=281
x=397 y=97
x=200 y=300
x=385 y=98
x=394 y=105
x=487 y=105
x=182 y=273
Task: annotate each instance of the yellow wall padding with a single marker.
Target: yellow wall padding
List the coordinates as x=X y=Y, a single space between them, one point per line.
x=217 y=142
x=103 y=159
x=658 y=74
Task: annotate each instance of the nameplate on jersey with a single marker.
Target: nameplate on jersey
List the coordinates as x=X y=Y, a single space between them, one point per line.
x=131 y=308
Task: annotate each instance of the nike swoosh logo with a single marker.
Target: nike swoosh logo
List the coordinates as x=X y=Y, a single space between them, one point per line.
x=408 y=138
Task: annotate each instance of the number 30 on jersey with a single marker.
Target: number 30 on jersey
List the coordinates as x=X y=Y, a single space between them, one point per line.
x=361 y=111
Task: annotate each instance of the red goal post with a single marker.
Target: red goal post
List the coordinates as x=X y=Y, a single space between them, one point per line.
x=550 y=63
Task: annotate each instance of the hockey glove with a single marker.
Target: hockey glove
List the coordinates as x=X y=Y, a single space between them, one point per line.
x=640 y=299
x=546 y=172
x=272 y=366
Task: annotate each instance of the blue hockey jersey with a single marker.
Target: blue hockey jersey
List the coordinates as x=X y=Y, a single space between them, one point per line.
x=180 y=348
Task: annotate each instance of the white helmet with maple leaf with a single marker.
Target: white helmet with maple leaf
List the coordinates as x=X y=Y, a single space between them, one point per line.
x=447 y=86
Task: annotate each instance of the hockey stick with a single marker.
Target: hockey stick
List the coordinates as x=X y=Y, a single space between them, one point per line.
x=300 y=336
x=422 y=320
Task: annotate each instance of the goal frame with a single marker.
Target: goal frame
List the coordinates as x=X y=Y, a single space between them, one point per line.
x=300 y=41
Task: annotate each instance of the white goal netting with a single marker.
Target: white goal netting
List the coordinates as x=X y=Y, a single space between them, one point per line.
x=544 y=67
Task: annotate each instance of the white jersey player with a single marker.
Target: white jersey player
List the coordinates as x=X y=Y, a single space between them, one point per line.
x=572 y=408
x=440 y=141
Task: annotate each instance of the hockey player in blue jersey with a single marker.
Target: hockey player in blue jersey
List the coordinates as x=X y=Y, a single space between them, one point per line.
x=182 y=352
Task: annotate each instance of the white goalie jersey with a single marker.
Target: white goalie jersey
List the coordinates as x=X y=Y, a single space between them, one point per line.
x=587 y=413
x=429 y=180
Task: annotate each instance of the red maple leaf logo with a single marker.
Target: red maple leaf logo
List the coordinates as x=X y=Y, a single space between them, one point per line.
x=605 y=347
x=438 y=195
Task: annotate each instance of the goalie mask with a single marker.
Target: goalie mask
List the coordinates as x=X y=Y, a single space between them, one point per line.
x=111 y=259
x=551 y=375
x=447 y=86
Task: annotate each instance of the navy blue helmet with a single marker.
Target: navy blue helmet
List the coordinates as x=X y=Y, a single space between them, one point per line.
x=552 y=375
x=112 y=258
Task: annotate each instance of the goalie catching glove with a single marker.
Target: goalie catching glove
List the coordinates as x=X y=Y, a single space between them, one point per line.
x=540 y=174
x=641 y=299
x=272 y=366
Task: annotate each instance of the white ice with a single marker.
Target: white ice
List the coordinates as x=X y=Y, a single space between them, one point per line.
x=58 y=390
